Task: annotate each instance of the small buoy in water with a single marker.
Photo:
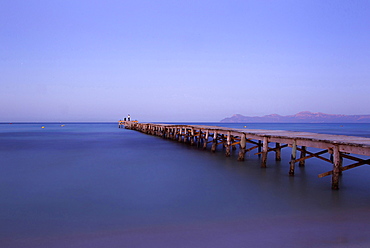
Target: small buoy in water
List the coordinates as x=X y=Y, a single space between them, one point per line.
x=62 y=125
x=245 y=126
x=42 y=127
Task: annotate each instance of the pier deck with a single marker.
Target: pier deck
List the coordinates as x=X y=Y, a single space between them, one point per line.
x=351 y=148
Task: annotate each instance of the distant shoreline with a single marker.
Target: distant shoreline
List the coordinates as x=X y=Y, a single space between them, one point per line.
x=301 y=117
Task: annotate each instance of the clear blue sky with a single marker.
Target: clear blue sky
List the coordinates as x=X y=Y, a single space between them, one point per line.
x=191 y=60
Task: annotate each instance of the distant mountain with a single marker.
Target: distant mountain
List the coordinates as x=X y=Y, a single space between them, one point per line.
x=302 y=117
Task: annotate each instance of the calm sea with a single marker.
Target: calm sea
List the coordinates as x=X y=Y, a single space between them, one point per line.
x=94 y=185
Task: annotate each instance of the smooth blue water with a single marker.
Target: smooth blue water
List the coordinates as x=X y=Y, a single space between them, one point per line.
x=94 y=185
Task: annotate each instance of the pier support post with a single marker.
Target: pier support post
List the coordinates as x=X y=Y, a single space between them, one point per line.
x=170 y=133
x=205 y=141
x=303 y=154
x=242 y=148
x=186 y=135
x=264 y=152
x=337 y=164
x=259 y=148
x=214 y=142
x=292 y=158
x=277 y=152
x=199 y=139
x=228 y=144
x=180 y=135
x=192 y=137
x=175 y=132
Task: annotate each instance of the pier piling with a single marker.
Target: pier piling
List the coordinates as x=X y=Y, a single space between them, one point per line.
x=265 y=147
x=242 y=145
x=339 y=146
x=292 y=158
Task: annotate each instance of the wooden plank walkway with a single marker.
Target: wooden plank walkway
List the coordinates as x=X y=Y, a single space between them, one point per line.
x=338 y=146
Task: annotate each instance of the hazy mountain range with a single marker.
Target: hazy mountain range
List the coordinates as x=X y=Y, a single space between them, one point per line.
x=303 y=117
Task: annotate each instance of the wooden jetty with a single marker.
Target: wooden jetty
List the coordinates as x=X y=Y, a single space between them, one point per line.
x=339 y=147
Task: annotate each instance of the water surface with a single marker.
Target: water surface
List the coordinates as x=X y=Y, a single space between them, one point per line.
x=94 y=185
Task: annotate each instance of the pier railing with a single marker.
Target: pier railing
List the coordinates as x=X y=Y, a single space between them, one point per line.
x=264 y=141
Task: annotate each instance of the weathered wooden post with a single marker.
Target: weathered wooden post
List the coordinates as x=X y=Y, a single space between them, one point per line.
x=156 y=130
x=228 y=144
x=174 y=133
x=277 y=152
x=192 y=136
x=205 y=141
x=303 y=154
x=168 y=133
x=180 y=134
x=259 y=148
x=164 y=132
x=242 y=144
x=292 y=158
x=337 y=164
x=214 y=142
x=264 y=152
x=186 y=135
x=199 y=138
